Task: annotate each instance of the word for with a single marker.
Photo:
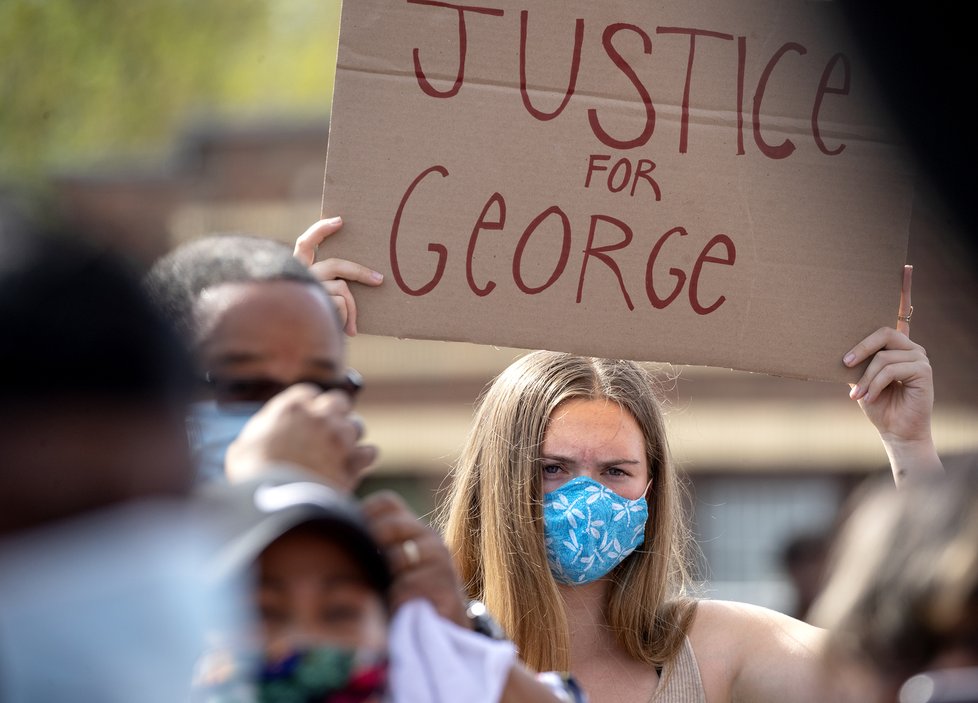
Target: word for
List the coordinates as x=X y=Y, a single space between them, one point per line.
x=621 y=175
x=719 y=250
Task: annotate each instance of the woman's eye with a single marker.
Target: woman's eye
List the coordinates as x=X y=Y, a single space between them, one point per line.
x=615 y=471
x=551 y=469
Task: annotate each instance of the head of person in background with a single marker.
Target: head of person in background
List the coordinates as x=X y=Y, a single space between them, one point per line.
x=93 y=381
x=258 y=322
x=566 y=480
x=902 y=593
x=803 y=559
x=319 y=592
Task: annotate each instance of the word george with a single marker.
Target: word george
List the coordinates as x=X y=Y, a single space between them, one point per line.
x=719 y=250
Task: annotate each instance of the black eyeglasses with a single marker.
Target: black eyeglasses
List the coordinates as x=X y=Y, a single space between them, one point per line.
x=261 y=390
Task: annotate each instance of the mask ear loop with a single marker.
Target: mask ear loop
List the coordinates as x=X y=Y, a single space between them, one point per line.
x=645 y=492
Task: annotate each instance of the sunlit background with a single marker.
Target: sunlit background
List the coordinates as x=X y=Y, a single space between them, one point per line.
x=161 y=120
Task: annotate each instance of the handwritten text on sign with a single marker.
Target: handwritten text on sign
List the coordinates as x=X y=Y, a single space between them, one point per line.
x=646 y=153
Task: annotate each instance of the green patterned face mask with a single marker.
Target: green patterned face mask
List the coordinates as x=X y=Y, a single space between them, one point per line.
x=323 y=674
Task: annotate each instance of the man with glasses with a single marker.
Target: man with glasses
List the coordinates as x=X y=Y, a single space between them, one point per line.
x=265 y=333
x=269 y=343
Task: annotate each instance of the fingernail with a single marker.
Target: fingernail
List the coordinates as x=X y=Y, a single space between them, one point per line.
x=334 y=220
x=848 y=359
x=855 y=392
x=376 y=276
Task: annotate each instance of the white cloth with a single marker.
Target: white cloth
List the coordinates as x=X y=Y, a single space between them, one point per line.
x=109 y=607
x=436 y=661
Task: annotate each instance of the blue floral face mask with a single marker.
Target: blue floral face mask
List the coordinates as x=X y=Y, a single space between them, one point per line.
x=589 y=529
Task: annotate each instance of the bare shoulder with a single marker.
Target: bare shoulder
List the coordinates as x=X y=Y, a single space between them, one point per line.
x=745 y=652
x=728 y=620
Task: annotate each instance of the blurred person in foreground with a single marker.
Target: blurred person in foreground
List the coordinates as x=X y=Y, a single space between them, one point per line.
x=323 y=595
x=342 y=605
x=100 y=590
x=901 y=602
x=319 y=595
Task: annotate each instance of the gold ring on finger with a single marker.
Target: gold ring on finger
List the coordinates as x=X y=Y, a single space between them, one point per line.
x=411 y=552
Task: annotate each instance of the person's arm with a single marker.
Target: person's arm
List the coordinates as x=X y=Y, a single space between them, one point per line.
x=422 y=568
x=896 y=392
x=747 y=653
x=335 y=273
x=522 y=686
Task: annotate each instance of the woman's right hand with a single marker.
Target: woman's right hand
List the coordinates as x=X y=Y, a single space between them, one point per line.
x=335 y=273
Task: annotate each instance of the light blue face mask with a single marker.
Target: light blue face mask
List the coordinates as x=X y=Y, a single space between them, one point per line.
x=589 y=529
x=212 y=428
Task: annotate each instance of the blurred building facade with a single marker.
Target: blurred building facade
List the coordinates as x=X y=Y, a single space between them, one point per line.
x=767 y=458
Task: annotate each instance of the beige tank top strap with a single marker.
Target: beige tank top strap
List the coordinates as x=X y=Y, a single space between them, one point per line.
x=681 y=682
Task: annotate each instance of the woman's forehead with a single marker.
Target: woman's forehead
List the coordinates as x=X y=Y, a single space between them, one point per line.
x=589 y=425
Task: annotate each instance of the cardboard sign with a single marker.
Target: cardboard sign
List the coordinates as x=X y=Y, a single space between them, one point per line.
x=701 y=183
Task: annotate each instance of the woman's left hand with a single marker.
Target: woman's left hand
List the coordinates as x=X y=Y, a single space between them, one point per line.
x=896 y=392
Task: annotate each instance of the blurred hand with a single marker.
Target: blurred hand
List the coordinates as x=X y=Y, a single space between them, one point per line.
x=419 y=559
x=335 y=273
x=306 y=427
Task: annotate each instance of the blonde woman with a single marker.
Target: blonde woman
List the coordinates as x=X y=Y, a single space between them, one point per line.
x=565 y=519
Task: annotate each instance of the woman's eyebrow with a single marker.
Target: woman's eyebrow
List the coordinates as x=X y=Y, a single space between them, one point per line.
x=557 y=459
x=618 y=462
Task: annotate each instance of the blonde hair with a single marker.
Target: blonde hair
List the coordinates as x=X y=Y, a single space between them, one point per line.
x=493 y=522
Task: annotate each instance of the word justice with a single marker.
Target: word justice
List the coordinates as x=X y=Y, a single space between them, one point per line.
x=719 y=250
x=835 y=79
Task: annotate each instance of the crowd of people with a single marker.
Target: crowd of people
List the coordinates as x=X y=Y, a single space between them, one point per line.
x=177 y=515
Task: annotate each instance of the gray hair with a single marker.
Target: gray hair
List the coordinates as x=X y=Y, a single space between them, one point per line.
x=176 y=281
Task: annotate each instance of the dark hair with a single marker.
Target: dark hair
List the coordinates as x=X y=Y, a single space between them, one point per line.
x=75 y=323
x=248 y=517
x=176 y=281
x=803 y=547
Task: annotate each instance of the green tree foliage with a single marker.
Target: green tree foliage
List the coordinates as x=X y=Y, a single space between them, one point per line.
x=86 y=79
